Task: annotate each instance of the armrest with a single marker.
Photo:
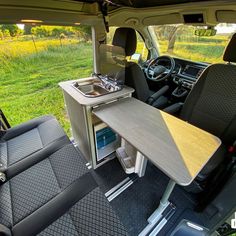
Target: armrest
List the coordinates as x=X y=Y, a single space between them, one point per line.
x=174 y=108
x=157 y=94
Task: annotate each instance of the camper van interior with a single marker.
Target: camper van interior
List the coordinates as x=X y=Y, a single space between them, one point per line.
x=152 y=149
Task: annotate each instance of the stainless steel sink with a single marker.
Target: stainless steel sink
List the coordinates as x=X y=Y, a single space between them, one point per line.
x=96 y=87
x=92 y=90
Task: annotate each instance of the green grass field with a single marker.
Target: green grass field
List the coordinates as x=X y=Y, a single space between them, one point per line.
x=29 y=81
x=29 y=76
x=202 y=52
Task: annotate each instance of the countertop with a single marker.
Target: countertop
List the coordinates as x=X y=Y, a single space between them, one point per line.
x=176 y=147
x=86 y=101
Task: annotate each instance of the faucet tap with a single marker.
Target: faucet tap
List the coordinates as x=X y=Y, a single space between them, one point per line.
x=109 y=83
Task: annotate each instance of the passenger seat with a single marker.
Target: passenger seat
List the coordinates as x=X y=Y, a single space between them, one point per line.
x=57 y=195
x=28 y=143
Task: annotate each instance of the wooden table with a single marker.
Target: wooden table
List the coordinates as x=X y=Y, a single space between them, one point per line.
x=177 y=148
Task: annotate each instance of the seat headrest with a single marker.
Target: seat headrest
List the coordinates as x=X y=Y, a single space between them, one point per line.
x=112 y=59
x=125 y=38
x=230 y=50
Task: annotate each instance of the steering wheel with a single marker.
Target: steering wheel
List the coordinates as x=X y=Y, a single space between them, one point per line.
x=158 y=72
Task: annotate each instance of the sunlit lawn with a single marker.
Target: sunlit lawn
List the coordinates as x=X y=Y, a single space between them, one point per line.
x=15 y=47
x=206 y=50
x=29 y=76
x=199 y=52
x=29 y=83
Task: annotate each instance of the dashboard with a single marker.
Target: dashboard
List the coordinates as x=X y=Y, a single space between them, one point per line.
x=186 y=72
x=192 y=71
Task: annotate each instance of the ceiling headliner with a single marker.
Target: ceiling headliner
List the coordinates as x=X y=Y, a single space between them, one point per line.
x=141 y=3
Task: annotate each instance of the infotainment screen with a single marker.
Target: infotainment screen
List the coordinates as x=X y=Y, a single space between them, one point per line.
x=191 y=71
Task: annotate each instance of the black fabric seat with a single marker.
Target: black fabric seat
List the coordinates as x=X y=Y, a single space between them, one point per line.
x=28 y=143
x=211 y=105
x=55 y=195
x=134 y=76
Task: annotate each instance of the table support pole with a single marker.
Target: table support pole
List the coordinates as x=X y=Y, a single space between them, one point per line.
x=164 y=202
x=157 y=214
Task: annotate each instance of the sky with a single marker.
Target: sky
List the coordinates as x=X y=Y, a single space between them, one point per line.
x=21 y=26
x=223 y=29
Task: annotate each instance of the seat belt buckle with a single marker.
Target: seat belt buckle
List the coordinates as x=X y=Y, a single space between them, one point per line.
x=232 y=149
x=2 y=177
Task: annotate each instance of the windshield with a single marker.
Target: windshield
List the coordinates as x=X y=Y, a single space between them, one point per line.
x=180 y=41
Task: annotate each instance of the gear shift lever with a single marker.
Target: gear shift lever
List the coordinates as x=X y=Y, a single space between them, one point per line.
x=180 y=91
x=180 y=83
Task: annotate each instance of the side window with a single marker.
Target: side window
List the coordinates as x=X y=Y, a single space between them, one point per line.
x=141 y=48
x=111 y=34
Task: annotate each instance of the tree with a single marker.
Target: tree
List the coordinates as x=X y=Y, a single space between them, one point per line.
x=1 y=35
x=6 y=33
x=11 y=28
x=83 y=31
x=27 y=29
x=168 y=33
x=42 y=31
x=172 y=38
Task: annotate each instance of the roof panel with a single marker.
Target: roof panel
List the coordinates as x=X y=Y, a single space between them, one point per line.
x=142 y=3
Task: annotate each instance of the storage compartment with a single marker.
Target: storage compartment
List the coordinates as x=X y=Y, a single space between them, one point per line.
x=127 y=162
x=106 y=141
x=131 y=160
x=85 y=124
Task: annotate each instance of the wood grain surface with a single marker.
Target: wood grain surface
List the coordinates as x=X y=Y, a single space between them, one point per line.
x=179 y=149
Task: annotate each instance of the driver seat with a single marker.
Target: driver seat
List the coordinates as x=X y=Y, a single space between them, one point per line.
x=134 y=76
x=211 y=105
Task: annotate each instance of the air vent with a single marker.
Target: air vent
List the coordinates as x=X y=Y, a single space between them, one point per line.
x=193 y=18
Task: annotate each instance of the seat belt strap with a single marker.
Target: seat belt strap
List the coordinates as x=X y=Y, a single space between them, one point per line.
x=4 y=231
x=2 y=177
